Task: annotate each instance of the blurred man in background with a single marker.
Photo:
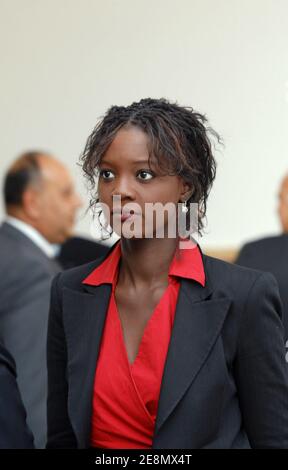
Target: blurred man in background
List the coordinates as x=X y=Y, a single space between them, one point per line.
x=271 y=254
x=41 y=206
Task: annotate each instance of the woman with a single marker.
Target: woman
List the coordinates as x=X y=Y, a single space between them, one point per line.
x=156 y=345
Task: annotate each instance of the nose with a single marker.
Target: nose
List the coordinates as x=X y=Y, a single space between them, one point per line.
x=123 y=188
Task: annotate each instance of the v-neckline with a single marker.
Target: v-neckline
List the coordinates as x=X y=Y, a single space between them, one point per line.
x=148 y=323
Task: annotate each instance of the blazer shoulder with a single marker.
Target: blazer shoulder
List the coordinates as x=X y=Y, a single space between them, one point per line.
x=72 y=278
x=232 y=277
x=216 y=265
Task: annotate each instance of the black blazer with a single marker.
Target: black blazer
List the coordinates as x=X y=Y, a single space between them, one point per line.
x=14 y=433
x=270 y=254
x=225 y=382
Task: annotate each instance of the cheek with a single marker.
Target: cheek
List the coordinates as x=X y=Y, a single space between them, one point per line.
x=59 y=209
x=104 y=192
x=163 y=192
x=281 y=209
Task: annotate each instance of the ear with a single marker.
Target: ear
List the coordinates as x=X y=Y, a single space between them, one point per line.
x=31 y=203
x=186 y=191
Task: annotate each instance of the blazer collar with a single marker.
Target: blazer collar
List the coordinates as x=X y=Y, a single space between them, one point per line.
x=187 y=263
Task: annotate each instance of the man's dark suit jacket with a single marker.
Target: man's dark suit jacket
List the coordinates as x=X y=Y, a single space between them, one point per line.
x=225 y=382
x=77 y=250
x=14 y=433
x=26 y=274
x=270 y=254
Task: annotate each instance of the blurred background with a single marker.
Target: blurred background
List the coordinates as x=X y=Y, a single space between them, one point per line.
x=65 y=62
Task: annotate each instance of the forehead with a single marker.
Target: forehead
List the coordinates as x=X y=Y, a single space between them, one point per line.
x=130 y=145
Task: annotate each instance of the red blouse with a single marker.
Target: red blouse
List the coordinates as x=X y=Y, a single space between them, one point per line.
x=125 y=398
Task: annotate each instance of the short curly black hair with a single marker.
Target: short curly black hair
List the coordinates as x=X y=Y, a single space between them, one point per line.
x=179 y=141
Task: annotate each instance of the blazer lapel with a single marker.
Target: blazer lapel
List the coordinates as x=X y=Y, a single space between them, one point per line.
x=84 y=317
x=198 y=322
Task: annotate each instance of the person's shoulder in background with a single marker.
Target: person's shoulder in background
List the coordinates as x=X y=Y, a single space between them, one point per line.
x=264 y=252
x=78 y=250
x=14 y=433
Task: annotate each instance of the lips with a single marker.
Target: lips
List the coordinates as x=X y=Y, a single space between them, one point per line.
x=124 y=215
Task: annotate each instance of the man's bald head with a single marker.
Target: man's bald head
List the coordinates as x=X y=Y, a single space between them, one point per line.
x=38 y=190
x=283 y=204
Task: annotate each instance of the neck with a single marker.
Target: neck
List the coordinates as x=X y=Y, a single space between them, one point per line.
x=20 y=215
x=146 y=261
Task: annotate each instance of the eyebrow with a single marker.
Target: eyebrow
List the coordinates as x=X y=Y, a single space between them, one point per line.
x=136 y=162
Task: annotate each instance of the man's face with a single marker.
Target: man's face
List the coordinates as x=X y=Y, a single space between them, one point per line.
x=125 y=172
x=283 y=205
x=57 y=202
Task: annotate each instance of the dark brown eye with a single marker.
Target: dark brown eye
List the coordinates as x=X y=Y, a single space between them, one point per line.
x=106 y=174
x=145 y=175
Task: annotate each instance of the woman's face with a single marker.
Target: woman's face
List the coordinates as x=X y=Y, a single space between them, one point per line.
x=125 y=173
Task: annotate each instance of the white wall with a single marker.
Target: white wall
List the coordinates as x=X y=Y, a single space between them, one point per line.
x=63 y=62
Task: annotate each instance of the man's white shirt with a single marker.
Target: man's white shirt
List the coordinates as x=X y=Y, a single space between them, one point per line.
x=50 y=250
